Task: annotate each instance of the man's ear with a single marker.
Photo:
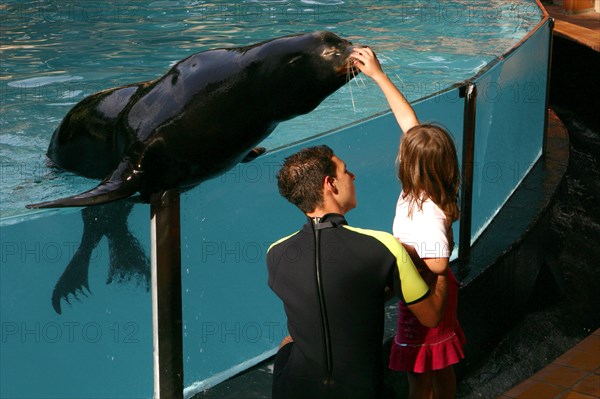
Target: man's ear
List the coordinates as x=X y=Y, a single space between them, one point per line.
x=330 y=184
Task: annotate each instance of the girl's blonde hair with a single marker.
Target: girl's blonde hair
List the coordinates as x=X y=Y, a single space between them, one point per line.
x=427 y=166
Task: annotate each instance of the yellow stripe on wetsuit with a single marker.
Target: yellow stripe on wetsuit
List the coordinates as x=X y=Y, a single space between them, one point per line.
x=413 y=286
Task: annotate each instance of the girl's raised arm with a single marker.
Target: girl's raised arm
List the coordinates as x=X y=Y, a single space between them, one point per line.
x=366 y=60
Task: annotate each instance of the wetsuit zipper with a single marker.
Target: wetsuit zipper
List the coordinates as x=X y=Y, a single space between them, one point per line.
x=317 y=227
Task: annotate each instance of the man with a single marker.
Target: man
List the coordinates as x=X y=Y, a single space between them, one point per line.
x=332 y=280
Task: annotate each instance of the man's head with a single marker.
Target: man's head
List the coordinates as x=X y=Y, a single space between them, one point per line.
x=315 y=179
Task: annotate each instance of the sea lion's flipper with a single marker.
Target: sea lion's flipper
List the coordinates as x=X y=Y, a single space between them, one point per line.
x=123 y=183
x=253 y=154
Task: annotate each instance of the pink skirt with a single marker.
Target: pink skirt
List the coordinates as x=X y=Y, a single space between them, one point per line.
x=418 y=349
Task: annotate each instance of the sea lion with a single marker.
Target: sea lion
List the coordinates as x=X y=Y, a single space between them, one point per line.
x=197 y=121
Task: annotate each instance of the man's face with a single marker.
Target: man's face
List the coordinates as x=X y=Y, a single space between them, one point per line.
x=344 y=183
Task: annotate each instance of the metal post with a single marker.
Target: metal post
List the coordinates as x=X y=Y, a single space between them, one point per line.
x=166 y=295
x=469 y=92
x=548 y=78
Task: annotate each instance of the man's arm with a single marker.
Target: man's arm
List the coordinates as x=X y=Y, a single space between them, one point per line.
x=366 y=61
x=430 y=310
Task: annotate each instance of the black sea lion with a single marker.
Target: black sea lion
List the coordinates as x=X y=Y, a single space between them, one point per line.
x=197 y=121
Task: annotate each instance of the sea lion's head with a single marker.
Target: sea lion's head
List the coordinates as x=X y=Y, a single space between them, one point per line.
x=300 y=71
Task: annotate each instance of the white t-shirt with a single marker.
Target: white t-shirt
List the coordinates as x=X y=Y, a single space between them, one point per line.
x=426 y=230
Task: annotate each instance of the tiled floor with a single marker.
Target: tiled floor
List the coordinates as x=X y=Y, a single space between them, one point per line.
x=574 y=375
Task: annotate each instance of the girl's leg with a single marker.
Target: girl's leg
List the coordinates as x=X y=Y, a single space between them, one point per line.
x=420 y=385
x=444 y=383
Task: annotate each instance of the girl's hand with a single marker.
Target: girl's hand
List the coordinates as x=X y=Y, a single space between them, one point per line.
x=366 y=60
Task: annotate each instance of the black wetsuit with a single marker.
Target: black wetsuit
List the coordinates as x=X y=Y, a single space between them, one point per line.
x=334 y=301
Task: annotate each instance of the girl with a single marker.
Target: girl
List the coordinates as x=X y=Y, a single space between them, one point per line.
x=426 y=208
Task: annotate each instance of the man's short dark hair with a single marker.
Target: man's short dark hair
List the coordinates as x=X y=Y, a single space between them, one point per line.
x=300 y=179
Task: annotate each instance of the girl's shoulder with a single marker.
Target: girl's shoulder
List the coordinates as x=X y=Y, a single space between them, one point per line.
x=430 y=207
x=427 y=208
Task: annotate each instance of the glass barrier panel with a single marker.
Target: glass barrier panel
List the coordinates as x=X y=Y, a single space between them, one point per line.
x=75 y=311
x=511 y=111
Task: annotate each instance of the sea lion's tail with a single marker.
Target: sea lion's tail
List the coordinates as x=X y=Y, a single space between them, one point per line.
x=121 y=184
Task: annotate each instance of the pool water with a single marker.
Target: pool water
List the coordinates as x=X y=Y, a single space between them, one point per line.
x=55 y=53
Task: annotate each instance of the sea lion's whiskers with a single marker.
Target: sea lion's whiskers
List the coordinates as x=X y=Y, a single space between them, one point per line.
x=400 y=79
x=349 y=75
x=360 y=78
x=352 y=75
x=392 y=62
x=356 y=76
x=385 y=57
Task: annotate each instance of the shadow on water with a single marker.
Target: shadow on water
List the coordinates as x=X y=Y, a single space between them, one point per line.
x=128 y=261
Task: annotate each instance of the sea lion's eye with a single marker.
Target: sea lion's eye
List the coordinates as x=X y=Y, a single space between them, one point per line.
x=331 y=52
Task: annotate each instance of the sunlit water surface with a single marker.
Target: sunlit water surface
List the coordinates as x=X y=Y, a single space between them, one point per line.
x=55 y=53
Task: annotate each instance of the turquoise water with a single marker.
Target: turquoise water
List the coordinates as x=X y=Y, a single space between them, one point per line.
x=54 y=53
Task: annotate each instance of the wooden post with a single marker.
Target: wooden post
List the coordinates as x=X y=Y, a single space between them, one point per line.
x=166 y=295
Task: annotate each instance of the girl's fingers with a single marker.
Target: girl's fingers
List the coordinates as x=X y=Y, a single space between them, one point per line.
x=361 y=57
x=366 y=60
x=364 y=52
